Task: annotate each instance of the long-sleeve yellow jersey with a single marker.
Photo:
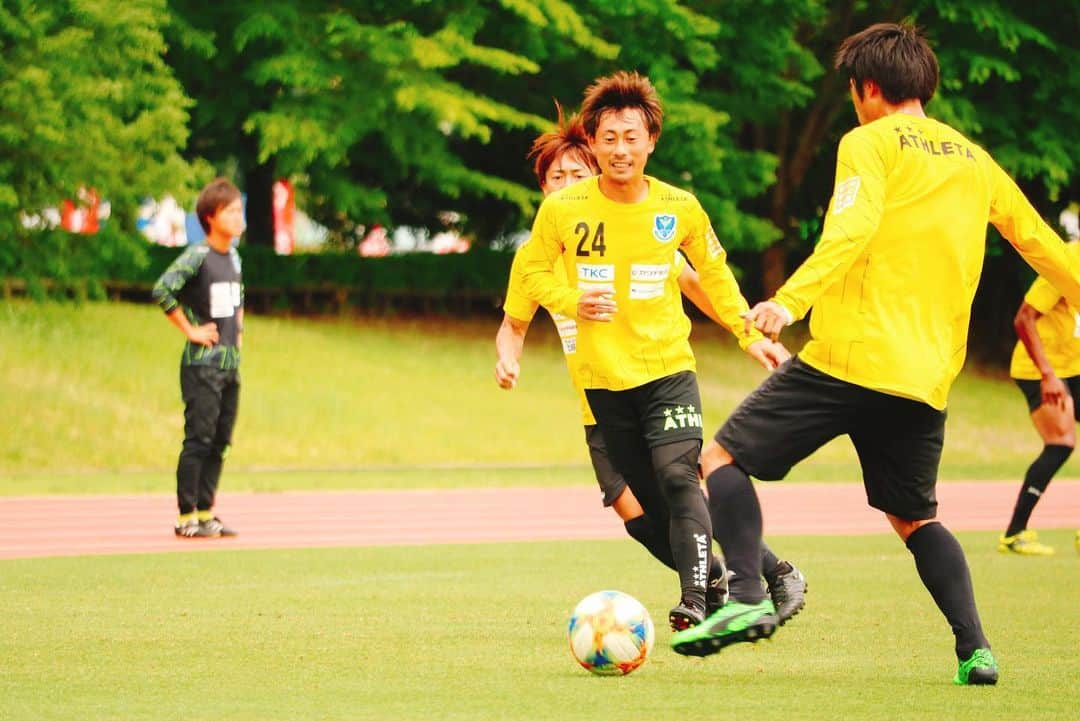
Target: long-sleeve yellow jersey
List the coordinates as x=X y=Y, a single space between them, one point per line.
x=892 y=279
x=628 y=249
x=1058 y=328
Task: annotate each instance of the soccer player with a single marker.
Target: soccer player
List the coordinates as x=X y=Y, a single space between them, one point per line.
x=202 y=294
x=891 y=283
x=1046 y=367
x=615 y=237
x=562 y=157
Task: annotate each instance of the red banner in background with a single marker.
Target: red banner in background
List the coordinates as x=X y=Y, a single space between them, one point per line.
x=284 y=218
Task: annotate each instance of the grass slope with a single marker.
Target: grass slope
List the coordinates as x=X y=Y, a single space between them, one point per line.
x=93 y=400
x=478 y=632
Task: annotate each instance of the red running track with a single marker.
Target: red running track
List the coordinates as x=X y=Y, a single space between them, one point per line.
x=80 y=525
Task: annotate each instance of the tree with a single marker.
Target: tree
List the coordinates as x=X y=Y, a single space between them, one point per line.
x=86 y=100
x=1003 y=64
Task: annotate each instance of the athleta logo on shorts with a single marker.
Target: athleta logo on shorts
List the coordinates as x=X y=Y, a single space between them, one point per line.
x=663 y=227
x=681 y=417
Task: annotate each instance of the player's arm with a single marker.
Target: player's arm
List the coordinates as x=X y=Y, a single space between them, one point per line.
x=518 y=312
x=1021 y=225
x=852 y=219
x=538 y=257
x=690 y=285
x=167 y=289
x=1040 y=298
x=509 y=345
x=240 y=322
x=721 y=289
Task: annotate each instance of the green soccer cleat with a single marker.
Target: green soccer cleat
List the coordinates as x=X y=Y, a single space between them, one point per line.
x=1024 y=543
x=734 y=623
x=979 y=670
x=1078 y=541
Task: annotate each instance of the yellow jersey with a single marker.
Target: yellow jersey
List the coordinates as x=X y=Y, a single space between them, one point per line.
x=892 y=279
x=629 y=250
x=1058 y=328
x=518 y=306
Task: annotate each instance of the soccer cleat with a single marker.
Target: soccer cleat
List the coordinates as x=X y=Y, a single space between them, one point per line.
x=214 y=528
x=686 y=615
x=979 y=670
x=1078 y=541
x=187 y=529
x=1024 y=543
x=734 y=623
x=716 y=593
x=788 y=592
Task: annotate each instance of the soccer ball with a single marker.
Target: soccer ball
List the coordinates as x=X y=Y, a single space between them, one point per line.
x=611 y=633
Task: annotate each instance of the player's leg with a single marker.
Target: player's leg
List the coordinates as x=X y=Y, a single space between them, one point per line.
x=794 y=412
x=1057 y=428
x=618 y=416
x=202 y=406
x=649 y=528
x=670 y=409
x=899 y=443
x=228 y=385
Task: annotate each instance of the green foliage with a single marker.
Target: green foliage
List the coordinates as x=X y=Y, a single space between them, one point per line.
x=86 y=100
x=73 y=263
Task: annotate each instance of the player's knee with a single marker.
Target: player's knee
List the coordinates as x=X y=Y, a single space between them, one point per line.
x=905 y=527
x=713 y=456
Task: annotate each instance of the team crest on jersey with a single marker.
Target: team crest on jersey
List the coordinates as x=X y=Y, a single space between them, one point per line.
x=663 y=227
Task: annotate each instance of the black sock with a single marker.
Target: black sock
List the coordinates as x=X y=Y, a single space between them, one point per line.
x=644 y=531
x=944 y=571
x=1036 y=480
x=736 y=521
x=770 y=564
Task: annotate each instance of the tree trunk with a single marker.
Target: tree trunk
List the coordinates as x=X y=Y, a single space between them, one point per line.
x=258 y=185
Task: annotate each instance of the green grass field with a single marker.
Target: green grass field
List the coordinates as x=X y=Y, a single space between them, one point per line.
x=478 y=632
x=366 y=403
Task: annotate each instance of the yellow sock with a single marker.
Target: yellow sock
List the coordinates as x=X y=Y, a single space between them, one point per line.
x=205 y=515
x=185 y=518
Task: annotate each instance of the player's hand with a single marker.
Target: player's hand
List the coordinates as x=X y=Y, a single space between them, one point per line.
x=205 y=334
x=1054 y=391
x=596 y=304
x=506 y=373
x=768 y=317
x=768 y=353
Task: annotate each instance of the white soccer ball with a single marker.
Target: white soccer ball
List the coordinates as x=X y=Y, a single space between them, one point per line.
x=611 y=633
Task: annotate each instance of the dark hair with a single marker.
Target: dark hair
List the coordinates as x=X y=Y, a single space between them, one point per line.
x=619 y=91
x=567 y=137
x=215 y=196
x=896 y=57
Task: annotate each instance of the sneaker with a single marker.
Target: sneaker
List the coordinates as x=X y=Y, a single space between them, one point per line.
x=979 y=670
x=733 y=623
x=187 y=529
x=214 y=528
x=716 y=593
x=1024 y=543
x=788 y=592
x=686 y=615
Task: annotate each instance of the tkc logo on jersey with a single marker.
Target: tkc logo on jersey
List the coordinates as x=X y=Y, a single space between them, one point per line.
x=663 y=227
x=681 y=417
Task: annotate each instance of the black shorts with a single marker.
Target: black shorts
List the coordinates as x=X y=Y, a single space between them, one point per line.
x=662 y=411
x=1032 y=391
x=798 y=409
x=611 y=482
